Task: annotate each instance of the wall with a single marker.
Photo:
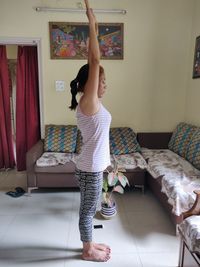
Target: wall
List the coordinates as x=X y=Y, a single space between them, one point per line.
x=147 y=89
x=11 y=51
x=193 y=93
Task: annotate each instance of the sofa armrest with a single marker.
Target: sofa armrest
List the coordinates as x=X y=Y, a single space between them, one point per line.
x=195 y=210
x=154 y=140
x=31 y=157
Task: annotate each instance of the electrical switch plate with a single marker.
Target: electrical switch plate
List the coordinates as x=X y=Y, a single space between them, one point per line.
x=60 y=86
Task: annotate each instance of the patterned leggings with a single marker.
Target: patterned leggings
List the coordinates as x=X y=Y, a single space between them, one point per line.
x=90 y=184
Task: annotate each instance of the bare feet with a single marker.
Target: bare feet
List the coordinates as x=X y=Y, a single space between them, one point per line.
x=103 y=247
x=95 y=252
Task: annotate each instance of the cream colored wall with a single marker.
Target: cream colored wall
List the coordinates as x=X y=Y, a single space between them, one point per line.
x=11 y=51
x=193 y=93
x=147 y=89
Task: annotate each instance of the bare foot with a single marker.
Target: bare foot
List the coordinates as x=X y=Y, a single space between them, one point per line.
x=103 y=247
x=94 y=254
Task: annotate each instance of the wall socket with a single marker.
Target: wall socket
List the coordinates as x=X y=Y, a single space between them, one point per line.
x=60 y=86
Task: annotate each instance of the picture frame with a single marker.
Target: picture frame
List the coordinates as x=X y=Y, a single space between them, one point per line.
x=69 y=40
x=196 y=64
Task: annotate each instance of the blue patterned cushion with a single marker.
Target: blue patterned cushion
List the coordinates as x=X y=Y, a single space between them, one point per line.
x=193 y=151
x=79 y=142
x=181 y=138
x=123 y=141
x=60 y=138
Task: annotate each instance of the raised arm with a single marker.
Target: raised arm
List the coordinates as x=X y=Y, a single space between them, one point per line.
x=90 y=101
x=93 y=50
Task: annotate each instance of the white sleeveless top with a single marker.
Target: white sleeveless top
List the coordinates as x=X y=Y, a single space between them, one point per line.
x=95 y=151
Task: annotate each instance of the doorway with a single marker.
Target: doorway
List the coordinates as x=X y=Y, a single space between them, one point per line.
x=12 y=45
x=30 y=41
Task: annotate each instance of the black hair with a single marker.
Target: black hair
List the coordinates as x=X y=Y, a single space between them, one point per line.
x=77 y=85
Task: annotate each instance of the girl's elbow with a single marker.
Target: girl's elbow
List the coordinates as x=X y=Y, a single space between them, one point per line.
x=95 y=61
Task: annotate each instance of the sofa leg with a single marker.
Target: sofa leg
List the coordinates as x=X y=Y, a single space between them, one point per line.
x=181 y=253
x=177 y=231
x=140 y=186
x=30 y=189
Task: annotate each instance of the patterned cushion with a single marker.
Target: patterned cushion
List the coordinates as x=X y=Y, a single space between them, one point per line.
x=53 y=159
x=79 y=142
x=129 y=161
x=190 y=228
x=181 y=138
x=123 y=141
x=193 y=151
x=60 y=138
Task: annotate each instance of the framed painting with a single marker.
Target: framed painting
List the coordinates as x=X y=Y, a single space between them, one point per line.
x=196 y=65
x=69 y=40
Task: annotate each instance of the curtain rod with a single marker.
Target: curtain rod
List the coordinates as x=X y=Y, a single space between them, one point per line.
x=80 y=10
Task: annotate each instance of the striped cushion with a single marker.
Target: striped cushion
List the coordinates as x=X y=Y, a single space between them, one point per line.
x=181 y=138
x=123 y=141
x=60 y=138
x=193 y=151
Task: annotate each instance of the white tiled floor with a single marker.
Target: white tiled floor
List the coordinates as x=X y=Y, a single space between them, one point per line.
x=42 y=230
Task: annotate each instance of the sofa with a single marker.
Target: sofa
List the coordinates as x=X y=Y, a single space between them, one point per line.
x=173 y=167
x=189 y=230
x=51 y=162
x=167 y=162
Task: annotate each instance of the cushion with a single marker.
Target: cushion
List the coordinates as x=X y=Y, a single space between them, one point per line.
x=60 y=138
x=193 y=150
x=79 y=142
x=179 y=178
x=181 y=138
x=190 y=228
x=123 y=141
x=129 y=161
x=53 y=159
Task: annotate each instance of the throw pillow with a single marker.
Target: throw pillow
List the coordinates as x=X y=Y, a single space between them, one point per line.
x=181 y=138
x=60 y=138
x=123 y=141
x=193 y=151
x=79 y=142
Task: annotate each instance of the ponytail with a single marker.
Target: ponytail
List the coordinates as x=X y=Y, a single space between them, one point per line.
x=74 y=91
x=78 y=84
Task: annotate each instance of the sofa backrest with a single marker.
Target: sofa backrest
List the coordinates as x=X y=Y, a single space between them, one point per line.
x=154 y=140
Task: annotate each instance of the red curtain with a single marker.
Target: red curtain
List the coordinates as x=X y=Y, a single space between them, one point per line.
x=6 y=142
x=27 y=103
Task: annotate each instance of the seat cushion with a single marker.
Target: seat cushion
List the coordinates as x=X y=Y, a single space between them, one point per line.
x=190 y=229
x=129 y=162
x=68 y=167
x=53 y=159
x=179 y=178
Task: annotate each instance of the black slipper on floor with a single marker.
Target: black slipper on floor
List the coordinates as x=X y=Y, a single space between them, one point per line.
x=19 y=190
x=18 y=193
x=11 y=193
